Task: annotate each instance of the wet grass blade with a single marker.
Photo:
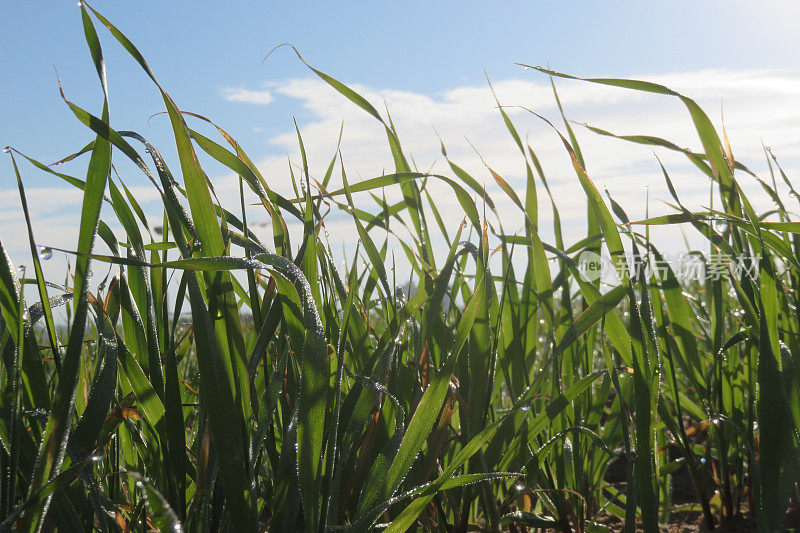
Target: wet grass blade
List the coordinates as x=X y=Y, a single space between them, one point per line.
x=58 y=424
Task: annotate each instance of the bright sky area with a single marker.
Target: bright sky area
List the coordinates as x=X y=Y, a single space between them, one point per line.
x=428 y=62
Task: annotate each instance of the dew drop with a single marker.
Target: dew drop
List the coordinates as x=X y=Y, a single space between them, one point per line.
x=525 y=407
x=7 y=149
x=21 y=271
x=541 y=321
x=526 y=68
x=79 y=4
x=541 y=339
x=520 y=484
x=97 y=458
x=45 y=252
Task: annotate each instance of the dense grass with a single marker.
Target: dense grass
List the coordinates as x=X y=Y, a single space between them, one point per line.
x=507 y=391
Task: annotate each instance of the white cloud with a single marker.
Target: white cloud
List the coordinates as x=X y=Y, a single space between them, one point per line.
x=257 y=97
x=41 y=200
x=758 y=105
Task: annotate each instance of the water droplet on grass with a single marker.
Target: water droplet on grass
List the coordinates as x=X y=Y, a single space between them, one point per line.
x=7 y=149
x=45 y=252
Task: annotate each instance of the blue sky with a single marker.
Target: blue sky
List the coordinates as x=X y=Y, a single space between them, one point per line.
x=425 y=59
x=200 y=47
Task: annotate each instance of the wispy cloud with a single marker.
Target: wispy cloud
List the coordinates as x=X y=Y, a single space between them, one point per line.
x=759 y=105
x=248 y=96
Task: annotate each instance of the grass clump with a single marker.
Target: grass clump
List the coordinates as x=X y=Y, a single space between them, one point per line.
x=508 y=391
